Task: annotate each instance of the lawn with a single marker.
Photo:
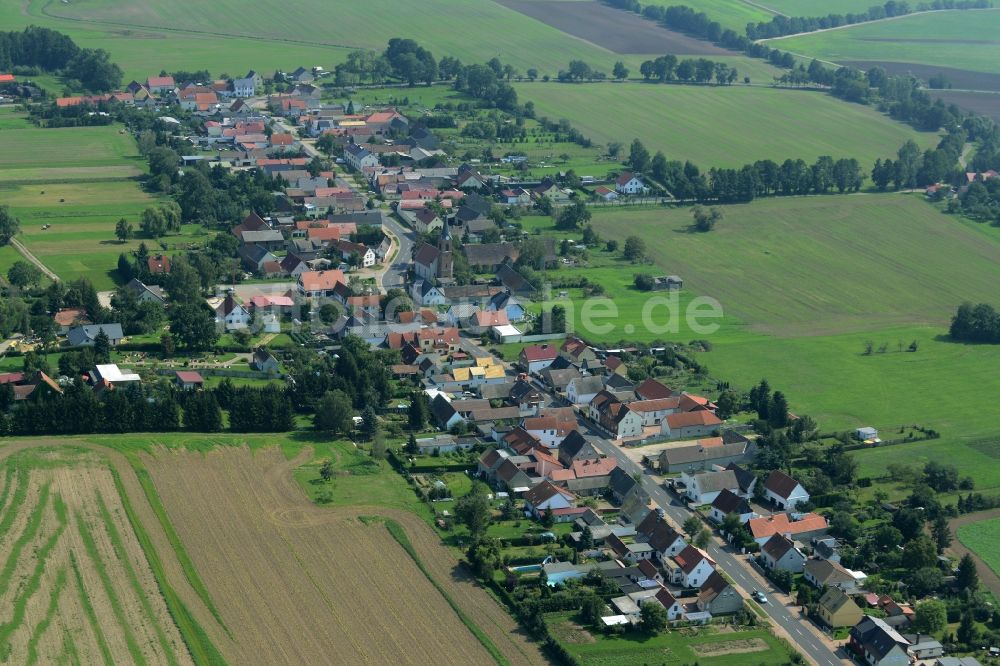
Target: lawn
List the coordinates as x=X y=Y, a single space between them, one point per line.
x=12 y=118
x=708 y=646
x=971 y=456
x=724 y=126
x=959 y=39
x=231 y=36
x=80 y=181
x=984 y=538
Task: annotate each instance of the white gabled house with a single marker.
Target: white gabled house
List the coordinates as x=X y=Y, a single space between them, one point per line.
x=629 y=183
x=784 y=491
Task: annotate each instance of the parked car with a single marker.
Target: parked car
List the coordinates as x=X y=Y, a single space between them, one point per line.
x=759 y=597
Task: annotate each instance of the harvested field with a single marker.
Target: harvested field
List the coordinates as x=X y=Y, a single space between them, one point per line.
x=616 y=30
x=295 y=582
x=983 y=103
x=730 y=647
x=75 y=584
x=963 y=79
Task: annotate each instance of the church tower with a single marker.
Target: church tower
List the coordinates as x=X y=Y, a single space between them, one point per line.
x=445 y=262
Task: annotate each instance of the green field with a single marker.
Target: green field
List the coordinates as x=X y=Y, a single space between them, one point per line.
x=974 y=457
x=984 y=538
x=815 y=7
x=724 y=126
x=707 y=647
x=733 y=14
x=959 y=39
x=146 y=36
x=806 y=282
x=79 y=181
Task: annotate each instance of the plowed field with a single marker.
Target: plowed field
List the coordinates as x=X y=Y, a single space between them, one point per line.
x=75 y=585
x=296 y=583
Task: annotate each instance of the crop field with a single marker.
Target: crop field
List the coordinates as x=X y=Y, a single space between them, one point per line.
x=75 y=584
x=81 y=199
x=232 y=36
x=957 y=39
x=983 y=103
x=724 y=126
x=706 y=646
x=296 y=582
x=983 y=537
x=610 y=28
x=733 y=14
x=814 y=7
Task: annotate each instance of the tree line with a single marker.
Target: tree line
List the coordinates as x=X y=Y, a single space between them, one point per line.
x=50 y=51
x=701 y=70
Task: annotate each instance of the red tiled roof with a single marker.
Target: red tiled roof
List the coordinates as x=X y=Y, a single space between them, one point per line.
x=782 y=524
x=190 y=377
x=539 y=353
x=650 y=389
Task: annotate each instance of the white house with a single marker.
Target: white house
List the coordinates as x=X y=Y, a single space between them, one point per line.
x=358 y=158
x=779 y=552
x=545 y=497
x=424 y=292
x=581 y=390
x=674 y=608
x=244 y=87
x=704 y=487
x=629 y=183
x=232 y=314
x=784 y=491
x=691 y=567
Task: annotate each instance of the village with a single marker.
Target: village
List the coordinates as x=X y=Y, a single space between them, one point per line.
x=650 y=490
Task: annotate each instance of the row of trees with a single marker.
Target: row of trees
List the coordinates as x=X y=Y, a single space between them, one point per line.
x=701 y=70
x=915 y=168
x=54 y=52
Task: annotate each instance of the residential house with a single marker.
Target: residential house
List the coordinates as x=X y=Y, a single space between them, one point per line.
x=656 y=531
x=653 y=412
x=629 y=183
x=923 y=646
x=801 y=528
x=427 y=221
x=691 y=567
x=545 y=497
x=687 y=425
x=727 y=502
x=535 y=358
x=779 y=552
x=650 y=389
x=674 y=608
x=293 y=265
x=264 y=361
x=826 y=549
x=516 y=197
x=837 y=609
x=704 y=487
x=444 y=415
x=575 y=448
x=188 y=380
x=85 y=336
x=629 y=552
x=616 y=418
x=317 y=284
x=444 y=444
x=159 y=85
x=549 y=430
x=359 y=158
x=231 y=314
x=246 y=86
x=624 y=488
x=145 y=293
x=718 y=596
x=878 y=644
x=254 y=257
x=508 y=475
x=559 y=379
x=824 y=573
x=576 y=350
x=583 y=390
x=506 y=302
x=783 y=491
x=423 y=292
x=605 y=193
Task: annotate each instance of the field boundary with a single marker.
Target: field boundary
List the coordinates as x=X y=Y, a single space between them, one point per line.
x=399 y=534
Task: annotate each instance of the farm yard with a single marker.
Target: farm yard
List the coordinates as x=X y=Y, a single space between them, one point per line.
x=75 y=584
x=69 y=186
x=955 y=39
x=726 y=126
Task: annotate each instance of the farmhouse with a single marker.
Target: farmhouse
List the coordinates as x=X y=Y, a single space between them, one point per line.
x=629 y=183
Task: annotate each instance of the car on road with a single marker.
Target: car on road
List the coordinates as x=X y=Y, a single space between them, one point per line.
x=759 y=597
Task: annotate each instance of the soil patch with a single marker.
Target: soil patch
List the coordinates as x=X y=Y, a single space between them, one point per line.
x=616 y=30
x=958 y=78
x=983 y=103
x=730 y=647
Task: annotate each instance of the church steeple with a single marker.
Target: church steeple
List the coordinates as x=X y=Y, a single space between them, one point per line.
x=445 y=262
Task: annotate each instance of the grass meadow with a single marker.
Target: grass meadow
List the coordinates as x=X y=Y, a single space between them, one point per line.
x=724 y=126
x=733 y=14
x=959 y=39
x=808 y=7
x=984 y=538
x=805 y=283
x=80 y=181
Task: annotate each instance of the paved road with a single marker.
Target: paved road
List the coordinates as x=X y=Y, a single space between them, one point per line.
x=734 y=565
x=395 y=276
